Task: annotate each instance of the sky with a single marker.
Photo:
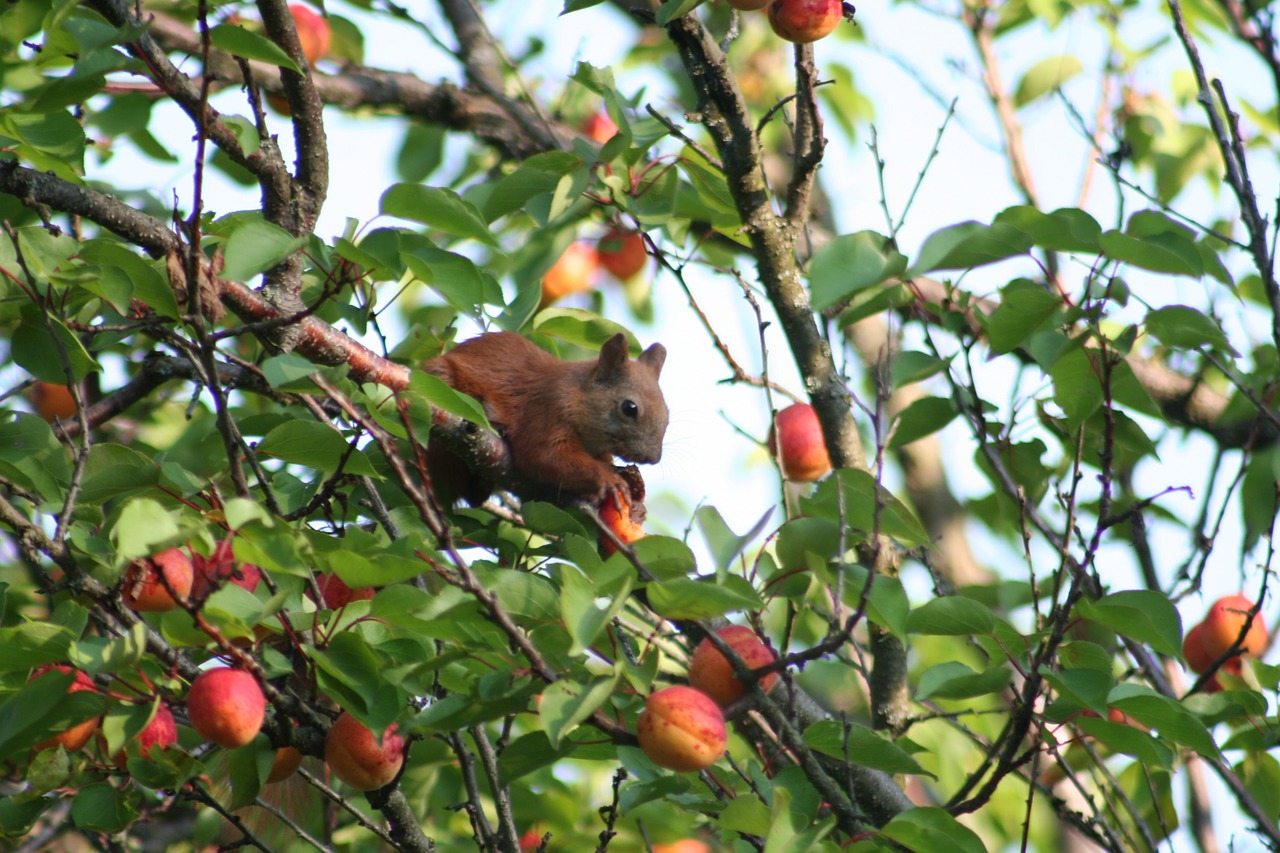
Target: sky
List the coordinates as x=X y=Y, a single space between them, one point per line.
x=707 y=459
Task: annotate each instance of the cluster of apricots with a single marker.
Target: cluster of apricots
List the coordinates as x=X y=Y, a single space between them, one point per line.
x=620 y=252
x=683 y=727
x=799 y=21
x=1232 y=624
x=226 y=705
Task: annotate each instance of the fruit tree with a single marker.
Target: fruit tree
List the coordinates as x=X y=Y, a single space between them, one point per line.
x=962 y=534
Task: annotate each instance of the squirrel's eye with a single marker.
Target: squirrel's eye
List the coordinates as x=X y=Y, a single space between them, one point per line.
x=630 y=409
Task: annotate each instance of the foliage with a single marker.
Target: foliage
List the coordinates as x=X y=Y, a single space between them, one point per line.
x=1107 y=366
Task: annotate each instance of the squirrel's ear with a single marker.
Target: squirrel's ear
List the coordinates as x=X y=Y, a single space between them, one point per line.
x=613 y=358
x=654 y=356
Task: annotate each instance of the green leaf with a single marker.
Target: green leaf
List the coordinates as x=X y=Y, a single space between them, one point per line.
x=351 y=672
x=932 y=830
x=241 y=42
x=289 y=371
x=969 y=245
x=1076 y=386
x=1166 y=253
x=922 y=418
x=144 y=525
x=865 y=505
x=1126 y=738
x=725 y=545
x=672 y=9
x=437 y=208
x=1087 y=688
x=32 y=457
x=911 y=366
x=565 y=704
x=440 y=395
x=578 y=596
x=951 y=616
x=1184 y=327
x=1143 y=615
x=686 y=598
x=850 y=263
x=1066 y=229
x=955 y=680
x=99 y=654
x=45 y=350
x=1025 y=307
x=315 y=445
x=861 y=746
x=100 y=807
x=709 y=182
x=256 y=247
x=1166 y=716
x=538 y=175
x=1044 y=77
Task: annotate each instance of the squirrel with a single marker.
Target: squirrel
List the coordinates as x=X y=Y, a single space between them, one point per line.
x=562 y=421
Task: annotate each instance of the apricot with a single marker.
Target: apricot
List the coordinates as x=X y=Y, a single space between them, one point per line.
x=226 y=706
x=161 y=732
x=210 y=572
x=711 y=672
x=618 y=515
x=796 y=439
x=681 y=729
x=1225 y=623
x=313 y=32
x=684 y=845
x=51 y=401
x=288 y=760
x=336 y=594
x=622 y=253
x=355 y=757
x=599 y=127
x=804 y=21
x=74 y=738
x=144 y=590
x=570 y=274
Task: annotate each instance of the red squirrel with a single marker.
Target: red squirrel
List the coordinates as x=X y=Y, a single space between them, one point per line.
x=563 y=421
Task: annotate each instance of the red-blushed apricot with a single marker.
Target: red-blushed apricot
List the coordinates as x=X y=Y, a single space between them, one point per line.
x=1194 y=652
x=161 y=732
x=804 y=21
x=570 y=274
x=313 y=32
x=52 y=401
x=684 y=845
x=142 y=588
x=74 y=738
x=599 y=127
x=681 y=729
x=226 y=706
x=1223 y=626
x=210 y=572
x=796 y=439
x=616 y=511
x=711 y=672
x=337 y=594
x=355 y=757
x=531 y=839
x=288 y=760
x=622 y=253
